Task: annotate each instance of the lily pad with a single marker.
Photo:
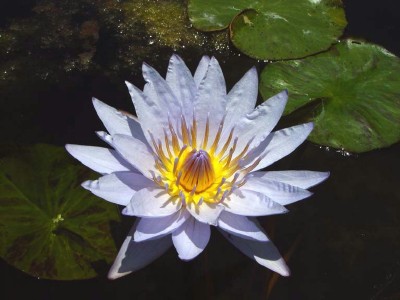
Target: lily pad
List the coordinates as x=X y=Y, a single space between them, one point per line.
x=50 y=227
x=351 y=92
x=273 y=29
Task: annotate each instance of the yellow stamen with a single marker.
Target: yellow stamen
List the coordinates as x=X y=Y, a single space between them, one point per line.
x=175 y=143
x=167 y=146
x=217 y=137
x=228 y=141
x=240 y=156
x=185 y=135
x=206 y=133
x=194 y=133
x=196 y=175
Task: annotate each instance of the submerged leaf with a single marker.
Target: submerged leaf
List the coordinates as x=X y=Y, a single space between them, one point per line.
x=50 y=227
x=352 y=93
x=274 y=29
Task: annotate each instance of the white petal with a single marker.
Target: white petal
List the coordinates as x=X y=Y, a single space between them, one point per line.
x=210 y=101
x=135 y=152
x=280 y=192
x=150 y=228
x=282 y=143
x=265 y=253
x=158 y=89
x=241 y=99
x=241 y=226
x=99 y=159
x=201 y=70
x=133 y=256
x=118 y=187
x=191 y=238
x=136 y=129
x=257 y=125
x=182 y=85
x=302 y=179
x=147 y=111
x=104 y=136
x=117 y=122
x=206 y=212
x=152 y=202
x=249 y=203
x=277 y=145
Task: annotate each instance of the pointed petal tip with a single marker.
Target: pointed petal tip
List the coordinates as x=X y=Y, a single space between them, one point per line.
x=86 y=184
x=105 y=137
x=213 y=61
x=126 y=212
x=205 y=59
x=324 y=176
x=112 y=274
x=96 y=101
x=72 y=149
x=177 y=57
x=253 y=69
x=284 y=95
x=146 y=67
x=252 y=72
x=264 y=253
x=309 y=127
x=68 y=147
x=185 y=259
x=98 y=104
x=278 y=100
x=131 y=87
x=285 y=271
x=279 y=266
x=136 y=236
x=305 y=128
x=101 y=133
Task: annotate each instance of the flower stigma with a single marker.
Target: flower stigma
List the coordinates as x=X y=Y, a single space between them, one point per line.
x=197 y=171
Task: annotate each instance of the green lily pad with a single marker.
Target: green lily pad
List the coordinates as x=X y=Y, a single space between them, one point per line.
x=273 y=29
x=351 y=92
x=51 y=227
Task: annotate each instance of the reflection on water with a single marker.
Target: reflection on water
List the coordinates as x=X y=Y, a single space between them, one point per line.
x=343 y=243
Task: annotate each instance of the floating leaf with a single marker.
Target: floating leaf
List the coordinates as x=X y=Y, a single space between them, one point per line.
x=51 y=227
x=351 y=92
x=273 y=29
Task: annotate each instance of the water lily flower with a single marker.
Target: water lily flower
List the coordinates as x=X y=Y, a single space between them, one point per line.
x=191 y=159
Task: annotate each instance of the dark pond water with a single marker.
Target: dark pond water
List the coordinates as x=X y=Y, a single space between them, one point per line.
x=343 y=243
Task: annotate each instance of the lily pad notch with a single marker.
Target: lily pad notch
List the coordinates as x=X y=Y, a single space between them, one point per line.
x=274 y=29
